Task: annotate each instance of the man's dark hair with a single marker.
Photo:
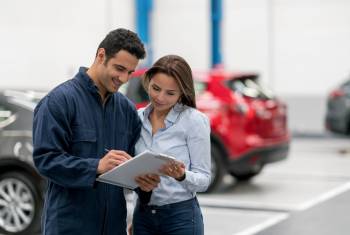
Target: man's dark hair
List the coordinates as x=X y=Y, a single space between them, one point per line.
x=122 y=39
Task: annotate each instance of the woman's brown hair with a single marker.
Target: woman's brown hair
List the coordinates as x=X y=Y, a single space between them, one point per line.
x=176 y=67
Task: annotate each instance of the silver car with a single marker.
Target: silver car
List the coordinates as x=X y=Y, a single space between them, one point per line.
x=21 y=187
x=338 y=109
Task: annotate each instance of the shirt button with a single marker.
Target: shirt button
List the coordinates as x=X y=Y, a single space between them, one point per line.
x=153 y=211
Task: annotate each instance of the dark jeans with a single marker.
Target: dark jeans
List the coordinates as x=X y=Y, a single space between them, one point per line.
x=181 y=218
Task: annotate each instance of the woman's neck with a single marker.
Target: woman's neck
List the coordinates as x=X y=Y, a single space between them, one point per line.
x=157 y=120
x=160 y=115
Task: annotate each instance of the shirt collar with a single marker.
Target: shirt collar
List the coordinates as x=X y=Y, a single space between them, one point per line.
x=85 y=80
x=171 y=116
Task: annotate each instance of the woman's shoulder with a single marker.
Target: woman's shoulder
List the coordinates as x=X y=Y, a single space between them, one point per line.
x=125 y=102
x=141 y=112
x=194 y=116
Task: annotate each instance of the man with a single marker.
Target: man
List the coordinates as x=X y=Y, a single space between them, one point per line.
x=84 y=128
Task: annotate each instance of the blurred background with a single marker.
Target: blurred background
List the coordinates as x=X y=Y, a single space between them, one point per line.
x=299 y=47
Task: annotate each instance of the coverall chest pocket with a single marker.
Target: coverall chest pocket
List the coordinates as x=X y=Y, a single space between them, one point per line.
x=123 y=139
x=84 y=142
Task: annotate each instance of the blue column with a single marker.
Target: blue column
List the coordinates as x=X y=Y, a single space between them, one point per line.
x=216 y=16
x=143 y=12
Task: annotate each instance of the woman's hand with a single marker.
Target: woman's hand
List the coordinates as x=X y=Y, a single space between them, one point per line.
x=147 y=182
x=174 y=169
x=130 y=229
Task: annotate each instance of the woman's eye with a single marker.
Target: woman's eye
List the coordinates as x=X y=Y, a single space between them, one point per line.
x=155 y=88
x=171 y=94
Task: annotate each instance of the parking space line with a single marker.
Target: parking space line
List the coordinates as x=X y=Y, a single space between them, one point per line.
x=261 y=226
x=324 y=197
x=246 y=207
x=254 y=206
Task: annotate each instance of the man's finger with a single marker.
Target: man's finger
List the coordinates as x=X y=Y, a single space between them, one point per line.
x=121 y=153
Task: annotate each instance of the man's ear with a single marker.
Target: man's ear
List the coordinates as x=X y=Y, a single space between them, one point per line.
x=101 y=55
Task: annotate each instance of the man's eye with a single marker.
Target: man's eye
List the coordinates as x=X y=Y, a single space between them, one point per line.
x=119 y=68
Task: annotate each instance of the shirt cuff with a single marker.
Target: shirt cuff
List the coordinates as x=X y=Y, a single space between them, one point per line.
x=188 y=179
x=93 y=170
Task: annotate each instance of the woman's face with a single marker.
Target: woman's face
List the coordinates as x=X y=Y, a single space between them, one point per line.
x=164 y=92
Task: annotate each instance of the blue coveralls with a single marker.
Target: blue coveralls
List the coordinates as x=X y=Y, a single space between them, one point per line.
x=71 y=131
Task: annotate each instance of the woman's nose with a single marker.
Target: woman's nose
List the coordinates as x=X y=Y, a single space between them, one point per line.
x=160 y=96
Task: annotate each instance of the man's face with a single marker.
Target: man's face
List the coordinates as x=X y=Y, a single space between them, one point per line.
x=116 y=71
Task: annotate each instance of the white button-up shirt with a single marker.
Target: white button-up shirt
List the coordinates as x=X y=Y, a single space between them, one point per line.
x=186 y=137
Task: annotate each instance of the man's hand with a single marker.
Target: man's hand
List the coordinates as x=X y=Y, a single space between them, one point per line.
x=147 y=182
x=112 y=159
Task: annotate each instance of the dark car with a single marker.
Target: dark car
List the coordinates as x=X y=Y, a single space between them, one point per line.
x=21 y=187
x=338 y=109
x=248 y=123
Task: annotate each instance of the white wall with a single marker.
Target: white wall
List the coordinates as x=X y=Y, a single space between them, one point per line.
x=312 y=49
x=43 y=42
x=245 y=36
x=299 y=46
x=182 y=27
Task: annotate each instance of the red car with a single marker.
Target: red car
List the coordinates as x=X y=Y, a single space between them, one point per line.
x=248 y=123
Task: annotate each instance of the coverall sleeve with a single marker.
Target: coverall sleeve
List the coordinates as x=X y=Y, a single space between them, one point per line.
x=136 y=130
x=143 y=196
x=51 y=138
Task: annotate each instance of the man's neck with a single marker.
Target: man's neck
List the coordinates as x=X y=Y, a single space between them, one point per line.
x=91 y=72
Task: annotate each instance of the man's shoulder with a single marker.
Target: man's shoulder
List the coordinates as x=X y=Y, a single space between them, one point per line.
x=60 y=93
x=57 y=96
x=65 y=88
x=124 y=101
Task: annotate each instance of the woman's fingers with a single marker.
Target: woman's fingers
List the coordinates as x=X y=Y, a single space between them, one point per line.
x=173 y=169
x=148 y=182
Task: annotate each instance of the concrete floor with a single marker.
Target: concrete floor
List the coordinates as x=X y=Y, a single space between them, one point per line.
x=308 y=191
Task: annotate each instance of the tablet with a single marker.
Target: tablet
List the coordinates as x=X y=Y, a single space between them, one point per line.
x=124 y=174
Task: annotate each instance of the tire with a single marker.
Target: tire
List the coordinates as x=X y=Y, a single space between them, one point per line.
x=247 y=175
x=20 y=204
x=347 y=131
x=217 y=168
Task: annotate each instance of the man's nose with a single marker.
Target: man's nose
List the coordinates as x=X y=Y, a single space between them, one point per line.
x=124 y=77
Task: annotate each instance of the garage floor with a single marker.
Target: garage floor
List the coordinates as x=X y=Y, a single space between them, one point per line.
x=328 y=218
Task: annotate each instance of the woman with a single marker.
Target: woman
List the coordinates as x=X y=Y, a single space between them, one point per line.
x=172 y=125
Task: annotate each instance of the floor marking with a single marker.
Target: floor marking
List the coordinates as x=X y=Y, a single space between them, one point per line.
x=324 y=197
x=259 y=227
